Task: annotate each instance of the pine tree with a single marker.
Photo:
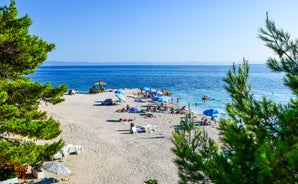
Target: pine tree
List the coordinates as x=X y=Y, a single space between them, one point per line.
x=259 y=142
x=20 y=54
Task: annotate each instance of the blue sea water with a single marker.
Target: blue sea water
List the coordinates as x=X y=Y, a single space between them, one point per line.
x=189 y=82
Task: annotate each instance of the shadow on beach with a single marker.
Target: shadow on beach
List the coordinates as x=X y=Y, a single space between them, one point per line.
x=47 y=181
x=155 y=137
x=112 y=121
x=124 y=131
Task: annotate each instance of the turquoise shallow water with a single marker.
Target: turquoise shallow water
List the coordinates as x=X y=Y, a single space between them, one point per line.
x=189 y=83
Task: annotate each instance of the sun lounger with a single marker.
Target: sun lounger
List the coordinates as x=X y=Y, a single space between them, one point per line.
x=146 y=129
x=70 y=148
x=58 y=155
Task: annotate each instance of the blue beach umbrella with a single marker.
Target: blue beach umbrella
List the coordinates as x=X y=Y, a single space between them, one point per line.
x=120 y=97
x=145 y=89
x=156 y=93
x=161 y=98
x=152 y=90
x=213 y=112
x=119 y=91
x=155 y=98
x=164 y=99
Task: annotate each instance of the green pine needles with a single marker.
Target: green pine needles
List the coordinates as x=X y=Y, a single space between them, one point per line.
x=20 y=117
x=259 y=142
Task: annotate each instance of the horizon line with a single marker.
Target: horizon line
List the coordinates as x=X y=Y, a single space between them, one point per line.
x=81 y=63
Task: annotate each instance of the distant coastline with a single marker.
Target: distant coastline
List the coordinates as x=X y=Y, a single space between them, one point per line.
x=88 y=63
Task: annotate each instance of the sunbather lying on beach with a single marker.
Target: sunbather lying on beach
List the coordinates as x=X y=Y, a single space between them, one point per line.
x=124 y=109
x=123 y=120
x=147 y=115
x=204 y=121
x=121 y=110
x=178 y=111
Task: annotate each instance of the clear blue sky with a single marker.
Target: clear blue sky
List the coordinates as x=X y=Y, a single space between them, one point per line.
x=157 y=30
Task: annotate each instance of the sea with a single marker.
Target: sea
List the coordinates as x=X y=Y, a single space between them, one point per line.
x=187 y=83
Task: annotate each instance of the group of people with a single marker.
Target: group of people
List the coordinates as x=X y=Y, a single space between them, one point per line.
x=204 y=98
x=124 y=109
x=72 y=92
x=159 y=107
x=164 y=108
x=96 y=90
x=205 y=121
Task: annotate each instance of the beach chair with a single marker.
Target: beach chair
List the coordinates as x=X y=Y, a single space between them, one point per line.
x=58 y=155
x=70 y=148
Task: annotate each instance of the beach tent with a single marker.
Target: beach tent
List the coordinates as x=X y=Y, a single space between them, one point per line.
x=135 y=110
x=108 y=101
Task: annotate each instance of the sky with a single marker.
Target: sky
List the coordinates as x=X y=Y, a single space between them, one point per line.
x=204 y=31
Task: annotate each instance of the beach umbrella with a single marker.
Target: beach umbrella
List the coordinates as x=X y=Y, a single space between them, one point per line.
x=213 y=112
x=156 y=92
x=159 y=93
x=145 y=89
x=120 y=96
x=155 y=98
x=152 y=90
x=164 y=99
x=100 y=83
x=119 y=91
x=161 y=98
x=56 y=168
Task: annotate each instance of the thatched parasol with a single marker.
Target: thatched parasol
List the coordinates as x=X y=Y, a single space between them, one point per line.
x=100 y=83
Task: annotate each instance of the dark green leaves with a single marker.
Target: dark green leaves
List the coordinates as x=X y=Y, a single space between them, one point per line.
x=259 y=139
x=20 y=54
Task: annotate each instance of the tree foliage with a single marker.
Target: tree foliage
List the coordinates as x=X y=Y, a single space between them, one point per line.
x=259 y=142
x=20 y=54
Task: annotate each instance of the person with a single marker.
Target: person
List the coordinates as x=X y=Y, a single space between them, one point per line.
x=204 y=98
x=72 y=92
x=214 y=119
x=93 y=90
x=206 y=122
x=148 y=108
x=132 y=128
x=127 y=107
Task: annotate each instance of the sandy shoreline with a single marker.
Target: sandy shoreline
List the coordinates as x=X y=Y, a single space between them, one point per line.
x=111 y=154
